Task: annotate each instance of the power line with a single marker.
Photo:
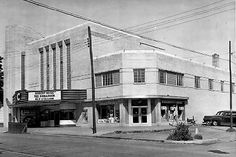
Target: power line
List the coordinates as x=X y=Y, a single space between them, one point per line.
x=111 y=27
x=177 y=14
x=182 y=13
x=183 y=17
x=189 y=20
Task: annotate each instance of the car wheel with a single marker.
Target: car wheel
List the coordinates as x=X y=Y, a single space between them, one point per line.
x=208 y=123
x=214 y=123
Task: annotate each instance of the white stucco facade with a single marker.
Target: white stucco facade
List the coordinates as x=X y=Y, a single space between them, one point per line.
x=117 y=54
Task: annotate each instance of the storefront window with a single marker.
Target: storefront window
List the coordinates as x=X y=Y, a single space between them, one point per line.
x=108 y=113
x=172 y=111
x=164 y=113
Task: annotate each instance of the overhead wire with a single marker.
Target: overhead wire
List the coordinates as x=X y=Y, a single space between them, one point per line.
x=183 y=13
x=81 y=17
x=176 y=14
x=96 y=22
x=167 y=22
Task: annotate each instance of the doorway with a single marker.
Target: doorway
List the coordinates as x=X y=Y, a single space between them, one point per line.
x=139 y=115
x=139 y=111
x=56 y=118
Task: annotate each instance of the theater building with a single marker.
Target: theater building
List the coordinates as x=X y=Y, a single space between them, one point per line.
x=48 y=80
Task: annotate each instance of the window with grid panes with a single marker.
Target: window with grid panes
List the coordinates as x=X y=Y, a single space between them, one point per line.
x=221 y=86
x=179 y=79
x=197 y=82
x=107 y=78
x=98 y=79
x=162 y=76
x=170 y=78
x=139 y=75
x=233 y=85
x=210 y=84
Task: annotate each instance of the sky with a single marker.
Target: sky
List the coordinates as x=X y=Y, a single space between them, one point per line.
x=207 y=35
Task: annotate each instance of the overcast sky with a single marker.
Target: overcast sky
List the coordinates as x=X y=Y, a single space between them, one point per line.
x=208 y=35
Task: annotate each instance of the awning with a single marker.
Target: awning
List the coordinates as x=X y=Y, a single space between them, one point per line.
x=36 y=104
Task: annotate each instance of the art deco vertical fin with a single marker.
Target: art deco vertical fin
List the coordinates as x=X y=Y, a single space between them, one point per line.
x=67 y=43
x=22 y=70
x=47 y=66
x=61 y=64
x=41 y=69
x=54 y=66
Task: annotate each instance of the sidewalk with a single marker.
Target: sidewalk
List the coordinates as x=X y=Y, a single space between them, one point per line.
x=101 y=130
x=146 y=133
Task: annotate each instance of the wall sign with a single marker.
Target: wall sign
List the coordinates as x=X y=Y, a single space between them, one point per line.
x=44 y=95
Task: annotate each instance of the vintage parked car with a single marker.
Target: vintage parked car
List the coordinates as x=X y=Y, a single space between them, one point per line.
x=221 y=118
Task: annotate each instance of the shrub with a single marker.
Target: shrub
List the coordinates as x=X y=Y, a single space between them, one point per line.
x=198 y=137
x=180 y=133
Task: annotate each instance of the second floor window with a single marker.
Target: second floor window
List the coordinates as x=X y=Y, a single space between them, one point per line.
x=139 y=75
x=170 y=78
x=221 y=86
x=197 y=82
x=210 y=84
x=107 y=78
x=233 y=85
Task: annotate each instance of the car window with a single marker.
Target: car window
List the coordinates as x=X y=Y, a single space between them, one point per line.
x=227 y=113
x=218 y=113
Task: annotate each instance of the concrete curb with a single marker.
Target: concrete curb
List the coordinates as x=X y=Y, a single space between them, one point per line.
x=207 y=141
x=128 y=138
x=139 y=131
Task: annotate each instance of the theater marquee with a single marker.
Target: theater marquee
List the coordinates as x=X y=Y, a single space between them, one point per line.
x=23 y=96
x=44 y=95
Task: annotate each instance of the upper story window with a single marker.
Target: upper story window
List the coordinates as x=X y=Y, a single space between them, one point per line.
x=233 y=86
x=170 y=78
x=107 y=78
x=210 y=84
x=197 y=82
x=139 y=75
x=221 y=86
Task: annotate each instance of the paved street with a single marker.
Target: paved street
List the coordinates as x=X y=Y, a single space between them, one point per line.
x=29 y=145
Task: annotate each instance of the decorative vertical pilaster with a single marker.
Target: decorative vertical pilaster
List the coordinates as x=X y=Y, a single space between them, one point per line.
x=158 y=110
x=61 y=63
x=53 y=46
x=67 y=43
x=47 y=66
x=22 y=70
x=130 y=112
x=41 y=69
x=149 y=113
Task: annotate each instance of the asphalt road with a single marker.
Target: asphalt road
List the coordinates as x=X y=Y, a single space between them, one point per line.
x=28 y=145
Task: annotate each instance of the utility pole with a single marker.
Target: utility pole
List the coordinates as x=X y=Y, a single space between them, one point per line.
x=92 y=79
x=230 y=87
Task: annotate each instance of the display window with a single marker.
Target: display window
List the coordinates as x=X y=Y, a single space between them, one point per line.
x=172 y=112
x=108 y=113
x=181 y=112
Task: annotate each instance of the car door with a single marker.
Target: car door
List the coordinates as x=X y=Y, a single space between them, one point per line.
x=234 y=118
x=226 y=119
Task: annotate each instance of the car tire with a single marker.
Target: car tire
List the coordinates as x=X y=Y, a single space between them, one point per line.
x=214 y=123
x=208 y=123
